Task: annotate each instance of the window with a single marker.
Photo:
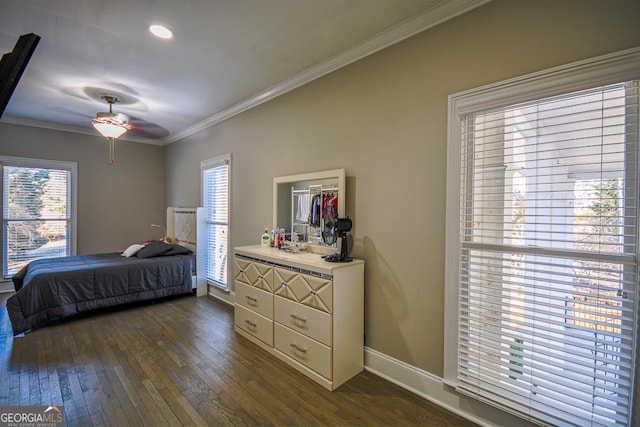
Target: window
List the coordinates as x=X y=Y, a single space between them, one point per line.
x=215 y=199
x=543 y=287
x=38 y=221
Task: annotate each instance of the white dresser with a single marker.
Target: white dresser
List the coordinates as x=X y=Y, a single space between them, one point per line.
x=302 y=309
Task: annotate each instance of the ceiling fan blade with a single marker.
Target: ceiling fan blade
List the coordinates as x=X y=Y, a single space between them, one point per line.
x=146 y=129
x=68 y=111
x=125 y=96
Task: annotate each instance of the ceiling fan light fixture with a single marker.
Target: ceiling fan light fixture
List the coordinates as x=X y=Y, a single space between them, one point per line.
x=111 y=125
x=109 y=130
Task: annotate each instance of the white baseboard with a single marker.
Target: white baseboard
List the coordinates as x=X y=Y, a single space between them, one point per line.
x=6 y=286
x=419 y=382
x=433 y=388
x=222 y=295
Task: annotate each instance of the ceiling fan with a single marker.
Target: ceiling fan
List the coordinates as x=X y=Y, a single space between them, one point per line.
x=111 y=125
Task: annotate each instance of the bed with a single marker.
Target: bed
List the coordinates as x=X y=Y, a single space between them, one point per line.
x=51 y=289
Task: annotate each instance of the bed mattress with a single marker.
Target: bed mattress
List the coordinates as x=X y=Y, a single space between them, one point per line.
x=55 y=288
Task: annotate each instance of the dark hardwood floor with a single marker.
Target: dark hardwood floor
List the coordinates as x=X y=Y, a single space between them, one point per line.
x=178 y=362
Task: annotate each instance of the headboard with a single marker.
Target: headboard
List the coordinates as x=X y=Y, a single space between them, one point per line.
x=182 y=226
x=187 y=226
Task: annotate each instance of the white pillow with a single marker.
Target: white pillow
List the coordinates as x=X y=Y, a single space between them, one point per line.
x=132 y=250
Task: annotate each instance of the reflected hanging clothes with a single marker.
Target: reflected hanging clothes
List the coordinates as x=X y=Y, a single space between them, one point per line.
x=316 y=206
x=302 y=214
x=330 y=210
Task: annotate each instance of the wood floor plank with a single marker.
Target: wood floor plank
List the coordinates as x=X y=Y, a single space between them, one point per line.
x=51 y=365
x=43 y=376
x=195 y=417
x=160 y=403
x=23 y=380
x=76 y=375
x=144 y=406
x=179 y=362
x=121 y=410
x=84 y=357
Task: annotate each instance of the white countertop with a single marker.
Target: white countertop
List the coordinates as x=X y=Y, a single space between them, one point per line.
x=303 y=260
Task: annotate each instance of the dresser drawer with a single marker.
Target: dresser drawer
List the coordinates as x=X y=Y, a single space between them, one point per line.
x=255 y=324
x=303 y=349
x=253 y=274
x=306 y=320
x=255 y=299
x=316 y=292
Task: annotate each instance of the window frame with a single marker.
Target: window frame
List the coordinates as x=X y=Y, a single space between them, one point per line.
x=28 y=162
x=212 y=163
x=607 y=69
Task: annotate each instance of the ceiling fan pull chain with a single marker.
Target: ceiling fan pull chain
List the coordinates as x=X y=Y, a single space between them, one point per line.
x=111 y=126
x=112 y=151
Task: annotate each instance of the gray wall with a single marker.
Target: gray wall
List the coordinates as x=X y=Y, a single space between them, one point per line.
x=384 y=119
x=116 y=203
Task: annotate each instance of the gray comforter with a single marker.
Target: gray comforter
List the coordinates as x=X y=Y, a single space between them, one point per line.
x=55 y=288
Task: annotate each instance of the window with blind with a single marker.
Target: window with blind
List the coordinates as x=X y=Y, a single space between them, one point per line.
x=547 y=256
x=215 y=199
x=37 y=206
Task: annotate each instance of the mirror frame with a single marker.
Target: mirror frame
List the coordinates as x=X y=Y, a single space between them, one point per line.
x=338 y=174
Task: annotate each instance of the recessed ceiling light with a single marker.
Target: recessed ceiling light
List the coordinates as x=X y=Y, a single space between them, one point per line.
x=161 y=31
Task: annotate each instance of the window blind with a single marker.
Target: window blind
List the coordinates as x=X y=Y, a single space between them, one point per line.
x=548 y=259
x=36 y=215
x=215 y=195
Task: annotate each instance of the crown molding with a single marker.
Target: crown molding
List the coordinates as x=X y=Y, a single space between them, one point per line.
x=429 y=18
x=443 y=11
x=12 y=120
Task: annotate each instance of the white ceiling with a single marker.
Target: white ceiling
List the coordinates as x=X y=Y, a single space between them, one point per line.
x=226 y=56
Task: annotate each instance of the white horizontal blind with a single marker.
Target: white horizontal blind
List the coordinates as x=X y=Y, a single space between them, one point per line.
x=548 y=274
x=215 y=196
x=36 y=215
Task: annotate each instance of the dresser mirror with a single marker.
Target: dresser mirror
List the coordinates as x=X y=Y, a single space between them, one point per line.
x=305 y=205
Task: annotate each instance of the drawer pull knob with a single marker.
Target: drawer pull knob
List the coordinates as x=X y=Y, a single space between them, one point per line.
x=250 y=323
x=300 y=349
x=283 y=285
x=297 y=318
x=250 y=298
x=312 y=293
